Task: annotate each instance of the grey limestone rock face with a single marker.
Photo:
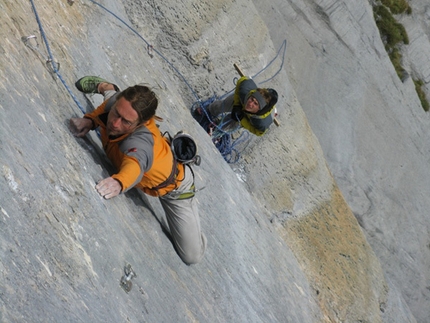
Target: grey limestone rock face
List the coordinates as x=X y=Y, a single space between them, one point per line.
x=307 y=227
x=371 y=126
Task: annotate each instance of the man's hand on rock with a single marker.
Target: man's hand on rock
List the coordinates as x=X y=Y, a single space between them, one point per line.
x=109 y=187
x=80 y=126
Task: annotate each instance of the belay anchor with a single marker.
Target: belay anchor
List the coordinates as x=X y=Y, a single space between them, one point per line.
x=126 y=283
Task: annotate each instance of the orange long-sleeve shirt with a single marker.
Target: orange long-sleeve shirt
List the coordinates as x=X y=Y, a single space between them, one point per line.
x=143 y=158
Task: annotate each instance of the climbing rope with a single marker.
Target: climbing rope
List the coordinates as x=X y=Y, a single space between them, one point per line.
x=54 y=65
x=283 y=47
x=150 y=47
x=221 y=137
x=216 y=127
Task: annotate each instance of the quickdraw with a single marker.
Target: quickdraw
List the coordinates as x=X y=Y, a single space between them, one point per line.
x=35 y=47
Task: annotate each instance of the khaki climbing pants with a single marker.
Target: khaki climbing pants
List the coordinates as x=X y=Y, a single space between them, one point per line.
x=182 y=214
x=184 y=223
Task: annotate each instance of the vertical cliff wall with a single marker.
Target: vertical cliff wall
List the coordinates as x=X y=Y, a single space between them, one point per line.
x=283 y=245
x=371 y=126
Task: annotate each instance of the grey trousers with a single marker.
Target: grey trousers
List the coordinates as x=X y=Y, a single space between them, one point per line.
x=221 y=106
x=220 y=111
x=182 y=216
x=184 y=222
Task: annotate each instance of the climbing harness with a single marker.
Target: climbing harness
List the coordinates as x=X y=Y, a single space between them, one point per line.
x=184 y=149
x=184 y=195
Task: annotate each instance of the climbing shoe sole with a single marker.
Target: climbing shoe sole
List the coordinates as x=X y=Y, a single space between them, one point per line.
x=88 y=84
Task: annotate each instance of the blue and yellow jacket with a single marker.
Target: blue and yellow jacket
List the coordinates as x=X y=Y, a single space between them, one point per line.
x=256 y=123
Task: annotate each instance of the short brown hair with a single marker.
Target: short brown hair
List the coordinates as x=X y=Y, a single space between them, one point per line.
x=142 y=99
x=271 y=98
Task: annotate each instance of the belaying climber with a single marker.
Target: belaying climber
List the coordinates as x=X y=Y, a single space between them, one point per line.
x=249 y=106
x=143 y=159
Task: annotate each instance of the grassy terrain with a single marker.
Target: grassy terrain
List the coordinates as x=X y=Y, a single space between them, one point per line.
x=422 y=95
x=394 y=35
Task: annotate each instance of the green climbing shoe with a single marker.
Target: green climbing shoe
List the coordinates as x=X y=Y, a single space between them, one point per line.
x=89 y=84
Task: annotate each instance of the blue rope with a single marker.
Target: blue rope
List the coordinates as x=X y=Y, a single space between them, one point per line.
x=150 y=46
x=221 y=138
x=51 y=58
x=284 y=47
x=227 y=147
